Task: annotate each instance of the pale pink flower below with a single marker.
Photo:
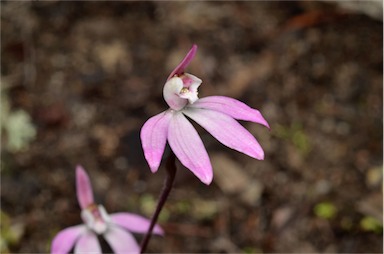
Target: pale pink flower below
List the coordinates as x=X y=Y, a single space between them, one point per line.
x=116 y=228
x=216 y=114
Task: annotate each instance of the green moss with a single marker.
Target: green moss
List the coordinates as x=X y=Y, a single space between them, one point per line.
x=325 y=210
x=17 y=125
x=11 y=233
x=148 y=205
x=183 y=207
x=369 y=223
x=295 y=134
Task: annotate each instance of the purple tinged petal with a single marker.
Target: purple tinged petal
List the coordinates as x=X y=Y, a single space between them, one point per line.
x=134 y=223
x=154 y=138
x=187 y=59
x=231 y=107
x=121 y=241
x=188 y=147
x=83 y=188
x=191 y=81
x=65 y=239
x=88 y=243
x=226 y=130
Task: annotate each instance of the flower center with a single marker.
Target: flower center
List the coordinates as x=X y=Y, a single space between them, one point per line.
x=181 y=90
x=184 y=90
x=186 y=93
x=96 y=218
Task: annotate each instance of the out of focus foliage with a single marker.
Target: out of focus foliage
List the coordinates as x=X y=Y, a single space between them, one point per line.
x=369 y=223
x=11 y=232
x=294 y=133
x=325 y=210
x=17 y=125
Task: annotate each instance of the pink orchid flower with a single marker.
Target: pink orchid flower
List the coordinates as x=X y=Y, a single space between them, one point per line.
x=216 y=114
x=116 y=228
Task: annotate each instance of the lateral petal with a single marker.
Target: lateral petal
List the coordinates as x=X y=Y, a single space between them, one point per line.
x=134 y=223
x=65 y=239
x=188 y=147
x=231 y=107
x=88 y=243
x=227 y=130
x=121 y=241
x=83 y=188
x=154 y=138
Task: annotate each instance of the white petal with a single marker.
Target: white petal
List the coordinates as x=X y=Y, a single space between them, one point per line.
x=121 y=241
x=88 y=244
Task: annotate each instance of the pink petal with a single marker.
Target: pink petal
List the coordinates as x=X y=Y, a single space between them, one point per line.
x=121 y=241
x=188 y=147
x=83 y=188
x=154 y=138
x=88 y=243
x=134 y=223
x=231 y=107
x=65 y=239
x=187 y=59
x=227 y=130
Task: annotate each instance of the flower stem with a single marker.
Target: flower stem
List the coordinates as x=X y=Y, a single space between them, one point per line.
x=171 y=172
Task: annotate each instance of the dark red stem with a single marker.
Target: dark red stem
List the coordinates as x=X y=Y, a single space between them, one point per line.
x=171 y=172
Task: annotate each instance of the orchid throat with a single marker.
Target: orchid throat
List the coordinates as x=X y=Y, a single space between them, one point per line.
x=96 y=218
x=180 y=90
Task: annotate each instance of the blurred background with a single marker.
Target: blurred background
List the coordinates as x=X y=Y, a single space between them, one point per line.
x=79 y=79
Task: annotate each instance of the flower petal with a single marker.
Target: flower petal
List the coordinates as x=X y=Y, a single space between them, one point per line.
x=65 y=239
x=134 y=223
x=187 y=59
x=88 y=243
x=171 y=93
x=231 y=107
x=154 y=138
x=226 y=130
x=190 y=81
x=83 y=188
x=121 y=241
x=188 y=147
